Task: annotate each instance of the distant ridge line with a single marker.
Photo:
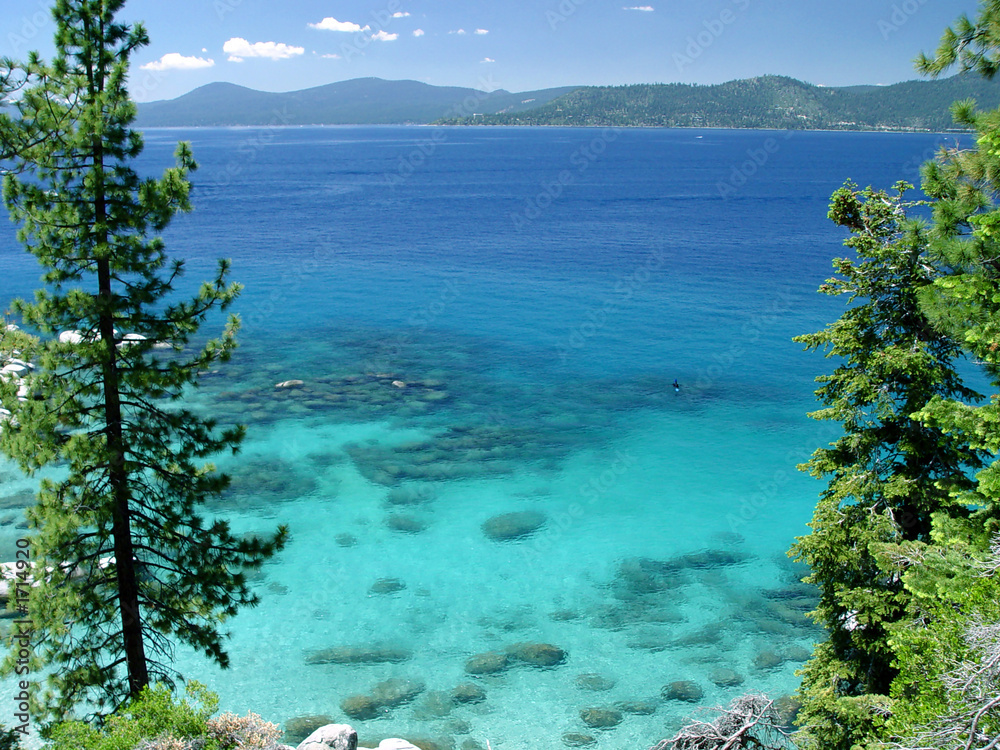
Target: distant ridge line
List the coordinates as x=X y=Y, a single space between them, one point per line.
x=774 y=102
x=767 y=102
x=360 y=101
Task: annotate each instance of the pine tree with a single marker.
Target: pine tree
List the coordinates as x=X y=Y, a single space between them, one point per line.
x=888 y=473
x=130 y=565
x=965 y=237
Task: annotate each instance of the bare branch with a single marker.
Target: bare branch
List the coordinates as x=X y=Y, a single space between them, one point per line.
x=750 y=721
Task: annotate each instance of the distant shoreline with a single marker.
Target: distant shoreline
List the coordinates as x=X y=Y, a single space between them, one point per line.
x=470 y=126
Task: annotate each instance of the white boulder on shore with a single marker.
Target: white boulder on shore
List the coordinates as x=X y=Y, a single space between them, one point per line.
x=344 y=737
x=71 y=337
x=13 y=572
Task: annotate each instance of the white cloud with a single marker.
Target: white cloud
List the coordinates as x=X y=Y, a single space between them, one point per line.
x=418 y=32
x=460 y=32
x=177 y=61
x=487 y=60
x=331 y=57
x=238 y=48
x=481 y=32
x=385 y=36
x=401 y=14
x=645 y=8
x=332 y=24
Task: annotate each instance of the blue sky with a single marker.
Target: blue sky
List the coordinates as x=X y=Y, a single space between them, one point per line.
x=519 y=45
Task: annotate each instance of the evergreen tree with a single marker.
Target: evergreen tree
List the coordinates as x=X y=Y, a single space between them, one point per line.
x=887 y=474
x=965 y=237
x=948 y=688
x=130 y=565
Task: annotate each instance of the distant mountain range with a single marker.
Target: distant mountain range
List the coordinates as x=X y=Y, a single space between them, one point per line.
x=765 y=102
x=361 y=101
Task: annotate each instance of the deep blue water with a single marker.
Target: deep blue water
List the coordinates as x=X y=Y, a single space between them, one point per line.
x=537 y=291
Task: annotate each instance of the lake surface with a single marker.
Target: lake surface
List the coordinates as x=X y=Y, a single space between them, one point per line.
x=489 y=321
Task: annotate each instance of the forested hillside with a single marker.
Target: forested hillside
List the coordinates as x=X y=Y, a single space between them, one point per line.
x=765 y=102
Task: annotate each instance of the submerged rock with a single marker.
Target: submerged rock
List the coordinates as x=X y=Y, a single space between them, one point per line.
x=510 y=526
x=640 y=708
x=299 y=727
x=712 y=558
x=17 y=500
x=361 y=707
x=564 y=615
x=796 y=653
x=433 y=705
x=724 y=677
x=490 y=662
x=601 y=718
x=405 y=523
x=264 y=481
x=639 y=576
x=346 y=540
x=575 y=739
x=653 y=642
x=468 y=693
x=385 y=586
x=787 y=707
x=396 y=691
x=537 y=654
x=374 y=654
x=767 y=660
x=593 y=681
x=709 y=635
x=683 y=690
x=412 y=495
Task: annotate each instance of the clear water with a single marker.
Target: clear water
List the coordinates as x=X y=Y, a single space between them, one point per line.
x=538 y=291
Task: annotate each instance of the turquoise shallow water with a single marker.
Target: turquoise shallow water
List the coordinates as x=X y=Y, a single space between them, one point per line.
x=537 y=340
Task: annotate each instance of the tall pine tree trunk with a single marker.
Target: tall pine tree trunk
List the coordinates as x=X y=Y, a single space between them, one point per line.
x=118 y=478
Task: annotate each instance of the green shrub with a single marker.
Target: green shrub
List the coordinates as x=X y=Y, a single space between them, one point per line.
x=151 y=722
x=156 y=721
